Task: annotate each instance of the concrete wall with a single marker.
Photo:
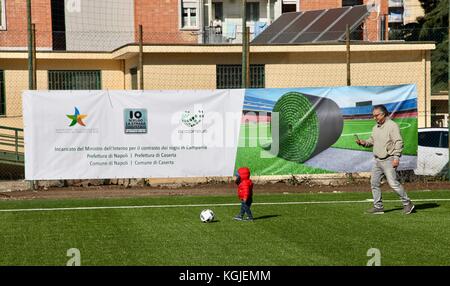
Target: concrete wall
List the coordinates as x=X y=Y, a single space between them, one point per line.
x=16 y=79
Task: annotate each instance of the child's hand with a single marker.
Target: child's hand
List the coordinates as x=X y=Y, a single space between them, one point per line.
x=238 y=180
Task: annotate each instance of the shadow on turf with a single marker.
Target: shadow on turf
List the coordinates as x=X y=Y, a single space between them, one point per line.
x=417 y=207
x=265 y=217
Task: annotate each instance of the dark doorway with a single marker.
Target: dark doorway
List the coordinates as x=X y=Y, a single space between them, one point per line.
x=58 y=25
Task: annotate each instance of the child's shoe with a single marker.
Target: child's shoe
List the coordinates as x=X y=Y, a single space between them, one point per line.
x=238 y=217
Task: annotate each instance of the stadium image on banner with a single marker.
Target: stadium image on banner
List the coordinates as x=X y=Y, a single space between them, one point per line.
x=317 y=128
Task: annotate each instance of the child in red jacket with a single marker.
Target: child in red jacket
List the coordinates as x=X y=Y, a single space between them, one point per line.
x=245 y=193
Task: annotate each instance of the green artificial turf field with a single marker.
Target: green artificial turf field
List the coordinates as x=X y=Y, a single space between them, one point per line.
x=291 y=229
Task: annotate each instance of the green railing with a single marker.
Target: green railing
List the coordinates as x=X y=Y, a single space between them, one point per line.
x=11 y=145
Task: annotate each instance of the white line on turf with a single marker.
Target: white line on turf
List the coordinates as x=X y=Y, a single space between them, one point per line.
x=203 y=205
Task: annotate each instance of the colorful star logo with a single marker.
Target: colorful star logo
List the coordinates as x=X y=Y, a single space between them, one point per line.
x=77 y=118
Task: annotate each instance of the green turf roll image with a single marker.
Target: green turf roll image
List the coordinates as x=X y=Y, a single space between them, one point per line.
x=307 y=125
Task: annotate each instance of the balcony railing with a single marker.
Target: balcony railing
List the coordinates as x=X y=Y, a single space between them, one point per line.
x=395 y=3
x=231 y=33
x=213 y=35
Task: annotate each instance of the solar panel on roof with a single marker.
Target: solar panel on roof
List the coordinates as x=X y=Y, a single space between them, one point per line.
x=320 y=25
x=312 y=26
x=276 y=27
x=296 y=27
x=337 y=31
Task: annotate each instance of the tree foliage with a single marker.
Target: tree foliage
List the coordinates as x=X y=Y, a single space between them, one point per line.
x=432 y=27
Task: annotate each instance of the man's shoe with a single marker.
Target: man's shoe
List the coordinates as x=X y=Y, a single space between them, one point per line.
x=375 y=210
x=249 y=219
x=408 y=208
x=238 y=218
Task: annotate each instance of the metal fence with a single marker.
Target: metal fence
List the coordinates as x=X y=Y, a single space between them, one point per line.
x=68 y=60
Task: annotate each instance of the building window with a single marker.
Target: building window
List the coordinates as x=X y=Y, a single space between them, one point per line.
x=230 y=76
x=252 y=11
x=70 y=80
x=218 y=10
x=2 y=15
x=2 y=94
x=352 y=2
x=189 y=14
x=134 y=78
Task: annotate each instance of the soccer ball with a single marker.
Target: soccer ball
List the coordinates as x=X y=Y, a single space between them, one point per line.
x=207 y=215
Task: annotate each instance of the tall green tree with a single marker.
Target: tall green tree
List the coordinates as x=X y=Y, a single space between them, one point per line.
x=432 y=27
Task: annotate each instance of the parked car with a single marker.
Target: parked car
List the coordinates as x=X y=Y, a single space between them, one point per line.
x=432 y=152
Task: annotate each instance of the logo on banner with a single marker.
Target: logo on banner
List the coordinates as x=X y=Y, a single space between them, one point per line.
x=135 y=120
x=191 y=119
x=77 y=121
x=77 y=118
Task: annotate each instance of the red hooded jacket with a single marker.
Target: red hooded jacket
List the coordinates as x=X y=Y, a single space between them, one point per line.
x=245 y=188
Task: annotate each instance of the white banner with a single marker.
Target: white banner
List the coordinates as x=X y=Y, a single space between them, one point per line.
x=131 y=134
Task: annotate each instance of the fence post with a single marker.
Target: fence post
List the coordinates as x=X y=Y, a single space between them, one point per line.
x=247 y=68
x=16 y=138
x=31 y=59
x=347 y=43
x=141 y=59
x=33 y=55
x=244 y=44
x=30 y=46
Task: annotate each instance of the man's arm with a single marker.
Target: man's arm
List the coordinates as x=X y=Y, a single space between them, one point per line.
x=369 y=142
x=397 y=141
x=365 y=143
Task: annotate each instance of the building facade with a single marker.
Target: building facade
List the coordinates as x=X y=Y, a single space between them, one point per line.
x=105 y=25
x=218 y=67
